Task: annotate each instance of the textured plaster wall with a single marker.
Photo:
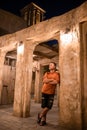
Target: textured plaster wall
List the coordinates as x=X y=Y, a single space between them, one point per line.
x=70 y=100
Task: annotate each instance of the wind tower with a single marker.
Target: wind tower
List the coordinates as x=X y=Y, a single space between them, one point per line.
x=32 y=14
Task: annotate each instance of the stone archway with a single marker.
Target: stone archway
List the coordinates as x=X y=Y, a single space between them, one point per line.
x=43 y=54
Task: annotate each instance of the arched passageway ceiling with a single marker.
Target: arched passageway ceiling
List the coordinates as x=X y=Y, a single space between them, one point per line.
x=44 y=50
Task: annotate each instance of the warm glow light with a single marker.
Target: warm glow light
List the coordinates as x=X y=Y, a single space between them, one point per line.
x=66 y=38
x=21 y=49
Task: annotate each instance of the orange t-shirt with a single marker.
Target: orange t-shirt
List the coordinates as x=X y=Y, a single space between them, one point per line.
x=50 y=88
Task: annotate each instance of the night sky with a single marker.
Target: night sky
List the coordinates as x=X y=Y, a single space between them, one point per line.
x=52 y=7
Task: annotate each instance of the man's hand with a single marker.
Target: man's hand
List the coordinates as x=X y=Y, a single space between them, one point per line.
x=53 y=82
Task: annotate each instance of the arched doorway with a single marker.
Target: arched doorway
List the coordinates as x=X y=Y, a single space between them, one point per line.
x=43 y=54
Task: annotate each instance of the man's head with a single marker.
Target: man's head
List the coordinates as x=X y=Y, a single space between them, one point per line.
x=52 y=66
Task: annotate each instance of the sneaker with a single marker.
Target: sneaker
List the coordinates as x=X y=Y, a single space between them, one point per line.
x=42 y=123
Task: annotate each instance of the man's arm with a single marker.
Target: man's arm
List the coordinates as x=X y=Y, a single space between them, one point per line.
x=46 y=80
x=53 y=82
x=50 y=81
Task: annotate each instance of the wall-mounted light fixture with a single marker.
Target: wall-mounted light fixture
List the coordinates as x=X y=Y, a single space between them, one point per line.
x=20 y=43
x=67 y=30
x=20 y=48
x=66 y=38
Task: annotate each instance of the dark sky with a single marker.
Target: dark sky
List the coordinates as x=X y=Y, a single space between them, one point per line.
x=52 y=7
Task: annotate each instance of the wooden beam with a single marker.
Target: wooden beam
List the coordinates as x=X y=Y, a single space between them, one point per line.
x=42 y=54
x=49 y=47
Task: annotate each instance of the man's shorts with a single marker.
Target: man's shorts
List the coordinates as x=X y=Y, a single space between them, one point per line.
x=47 y=100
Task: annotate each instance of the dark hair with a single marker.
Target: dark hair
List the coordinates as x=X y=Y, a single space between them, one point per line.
x=54 y=63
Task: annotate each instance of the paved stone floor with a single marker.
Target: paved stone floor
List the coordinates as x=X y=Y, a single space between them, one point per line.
x=10 y=122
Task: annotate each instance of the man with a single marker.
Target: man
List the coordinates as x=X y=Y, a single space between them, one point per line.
x=50 y=81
